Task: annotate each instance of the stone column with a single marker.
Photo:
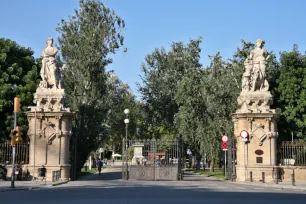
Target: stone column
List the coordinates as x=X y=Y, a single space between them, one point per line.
x=90 y=162
x=273 y=142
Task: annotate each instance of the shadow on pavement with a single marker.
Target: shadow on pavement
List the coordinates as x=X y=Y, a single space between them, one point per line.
x=129 y=193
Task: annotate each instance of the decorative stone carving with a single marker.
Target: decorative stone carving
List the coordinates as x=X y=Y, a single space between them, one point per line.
x=50 y=132
x=259 y=133
x=255 y=96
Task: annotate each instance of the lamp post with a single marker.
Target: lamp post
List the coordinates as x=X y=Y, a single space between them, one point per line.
x=34 y=146
x=126 y=121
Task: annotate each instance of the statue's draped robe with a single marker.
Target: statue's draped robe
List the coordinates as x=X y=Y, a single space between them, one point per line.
x=48 y=69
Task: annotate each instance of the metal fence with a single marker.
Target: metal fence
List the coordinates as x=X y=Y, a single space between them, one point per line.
x=152 y=159
x=292 y=153
x=22 y=152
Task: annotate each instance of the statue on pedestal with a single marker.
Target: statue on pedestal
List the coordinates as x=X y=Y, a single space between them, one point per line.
x=50 y=73
x=255 y=66
x=255 y=96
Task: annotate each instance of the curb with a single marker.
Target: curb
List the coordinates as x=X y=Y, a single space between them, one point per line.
x=59 y=183
x=19 y=189
x=273 y=186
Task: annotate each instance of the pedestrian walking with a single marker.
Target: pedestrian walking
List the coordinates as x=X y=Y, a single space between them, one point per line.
x=99 y=165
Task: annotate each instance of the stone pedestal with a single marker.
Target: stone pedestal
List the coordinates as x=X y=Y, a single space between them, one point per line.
x=258 y=154
x=50 y=147
x=138 y=157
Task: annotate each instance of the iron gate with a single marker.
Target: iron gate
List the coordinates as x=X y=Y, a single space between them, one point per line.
x=152 y=160
x=232 y=158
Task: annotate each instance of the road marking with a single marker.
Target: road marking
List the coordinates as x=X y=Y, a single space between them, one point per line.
x=259 y=188
x=219 y=187
x=277 y=189
x=240 y=187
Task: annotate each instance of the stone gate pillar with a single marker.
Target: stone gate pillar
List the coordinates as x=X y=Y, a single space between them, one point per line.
x=49 y=140
x=256 y=117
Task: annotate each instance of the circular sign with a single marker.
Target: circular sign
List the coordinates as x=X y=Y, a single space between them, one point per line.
x=224 y=138
x=244 y=134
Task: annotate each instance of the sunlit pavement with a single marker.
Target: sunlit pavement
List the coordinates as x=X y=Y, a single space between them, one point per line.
x=109 y=188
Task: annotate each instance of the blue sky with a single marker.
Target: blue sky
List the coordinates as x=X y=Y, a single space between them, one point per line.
x=156 y=23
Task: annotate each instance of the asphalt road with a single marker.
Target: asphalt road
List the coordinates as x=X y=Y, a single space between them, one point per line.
x=109 y=188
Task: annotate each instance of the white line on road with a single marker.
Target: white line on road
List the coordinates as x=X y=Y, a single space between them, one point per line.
x=259 y=188
x=240 y=187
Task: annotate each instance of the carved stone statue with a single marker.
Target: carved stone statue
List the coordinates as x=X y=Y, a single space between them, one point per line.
x=255 y=96
x=50 y=93
x=255 y=66
x=50 y=73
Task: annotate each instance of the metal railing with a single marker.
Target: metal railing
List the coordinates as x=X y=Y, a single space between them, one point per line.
x=152 y=159
x=22 y=152
x=292 y=153
x=56 y=175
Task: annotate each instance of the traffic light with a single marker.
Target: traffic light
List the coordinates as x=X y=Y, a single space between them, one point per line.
x=18 y=134
x=16 y=104
x=13 y=137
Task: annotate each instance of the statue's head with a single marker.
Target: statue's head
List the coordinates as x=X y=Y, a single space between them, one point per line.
x=49 y=41
x=260 y=43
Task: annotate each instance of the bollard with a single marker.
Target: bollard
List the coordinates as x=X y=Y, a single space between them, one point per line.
x=263 y=177
x=292 y=178
x=276 y=181
x=251 y=176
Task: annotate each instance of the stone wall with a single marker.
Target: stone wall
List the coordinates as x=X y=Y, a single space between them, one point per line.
x=300 y=173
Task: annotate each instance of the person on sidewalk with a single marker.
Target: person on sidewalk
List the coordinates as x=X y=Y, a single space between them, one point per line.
x=99 y=165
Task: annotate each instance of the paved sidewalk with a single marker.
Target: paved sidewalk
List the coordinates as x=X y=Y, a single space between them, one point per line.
x=283 y=185
x=27 y=185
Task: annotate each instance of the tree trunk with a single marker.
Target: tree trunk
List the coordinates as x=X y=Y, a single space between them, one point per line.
x=198 y=158
x=212 y=163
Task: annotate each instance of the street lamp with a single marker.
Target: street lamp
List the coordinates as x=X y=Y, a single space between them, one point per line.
x=35 y=108
x=126 y=121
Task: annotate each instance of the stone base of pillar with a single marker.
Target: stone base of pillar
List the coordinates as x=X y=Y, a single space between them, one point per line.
x=244 y=173
x=64 y=172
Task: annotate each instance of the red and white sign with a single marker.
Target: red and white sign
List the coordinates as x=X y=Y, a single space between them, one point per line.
x=224 y=138
x=224 y=142
x=244 y=135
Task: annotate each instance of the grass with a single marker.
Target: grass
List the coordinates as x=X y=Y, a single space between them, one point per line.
x=85 y=173
x=217 y=173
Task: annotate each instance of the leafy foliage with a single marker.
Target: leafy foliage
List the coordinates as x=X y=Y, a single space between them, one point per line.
x=18 y=78
x=292 y=90
x=86 y=41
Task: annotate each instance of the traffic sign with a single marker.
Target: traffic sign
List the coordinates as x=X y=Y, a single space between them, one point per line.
x=244 y=139
x=224 y=146
x=224 y=138
x=244 y=134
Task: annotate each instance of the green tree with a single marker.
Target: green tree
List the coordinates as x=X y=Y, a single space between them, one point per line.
x=119 y=97
x=87 y=39
x=162 y=73
x=18 y=77
x=292 y=90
